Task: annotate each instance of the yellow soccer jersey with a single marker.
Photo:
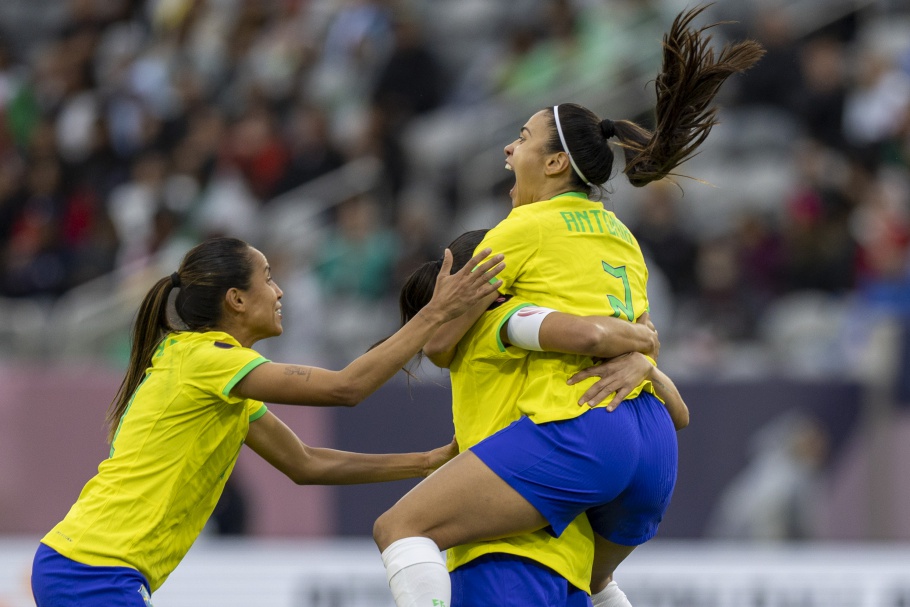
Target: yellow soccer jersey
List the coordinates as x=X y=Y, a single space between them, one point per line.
x=486 y=379
x=175 y=446
x=570 y=254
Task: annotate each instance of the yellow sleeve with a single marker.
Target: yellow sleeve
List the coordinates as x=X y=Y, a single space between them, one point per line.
x=218 y=366
x=518 y=238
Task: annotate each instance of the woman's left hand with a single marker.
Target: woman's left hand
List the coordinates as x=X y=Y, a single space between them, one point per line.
x=437 y=457
x=618 y=375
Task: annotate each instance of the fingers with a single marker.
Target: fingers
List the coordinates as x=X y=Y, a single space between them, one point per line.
x=621 y=395
x=489 y=268
x=595 y=371
x=446 y=268
x=596 y=394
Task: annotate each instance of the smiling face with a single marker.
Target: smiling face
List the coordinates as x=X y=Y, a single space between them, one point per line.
x=539 y=174
x=261 y=302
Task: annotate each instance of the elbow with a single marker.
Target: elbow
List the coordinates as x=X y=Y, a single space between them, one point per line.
x=305 y=470
x=348 y=394
x=592 y=341
x=300 y=477
x=682 y=420
x=439 y=355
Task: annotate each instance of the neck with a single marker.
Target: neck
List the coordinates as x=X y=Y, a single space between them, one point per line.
x=547 y=193
x=244 y=338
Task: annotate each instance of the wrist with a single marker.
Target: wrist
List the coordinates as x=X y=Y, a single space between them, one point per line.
x=432 y=315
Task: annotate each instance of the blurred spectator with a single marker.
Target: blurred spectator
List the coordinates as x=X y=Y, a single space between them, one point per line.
x=820 y=104
x=258 y=152
x=663 y=235
x=760 y=256
x=33 y=259
x=777 y=495
x=411 y=81
x=133 y=205
x=722 y=306
x=878 y=104
x=818 y=248
x=777 y=79
x=357 y=259
x=312 y=151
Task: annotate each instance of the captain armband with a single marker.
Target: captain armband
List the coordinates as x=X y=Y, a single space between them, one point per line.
x=524 y=327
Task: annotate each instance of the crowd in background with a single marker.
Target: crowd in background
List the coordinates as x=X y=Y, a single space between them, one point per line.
x=132 y=126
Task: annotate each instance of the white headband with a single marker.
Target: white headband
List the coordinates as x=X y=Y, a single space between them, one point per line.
x=566 y=148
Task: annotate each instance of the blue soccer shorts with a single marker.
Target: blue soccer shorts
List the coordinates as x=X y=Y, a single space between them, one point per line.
x=61 y=582
x=619 y=467
x=505 y=580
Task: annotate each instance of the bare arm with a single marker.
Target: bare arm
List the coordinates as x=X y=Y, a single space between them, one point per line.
x=441 y=347
x=301 y=385
x=596 y=336
x=673 y=400
x=278 y=445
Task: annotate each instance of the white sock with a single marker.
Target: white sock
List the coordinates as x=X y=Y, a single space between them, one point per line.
x=417 y=573
x=611 y=596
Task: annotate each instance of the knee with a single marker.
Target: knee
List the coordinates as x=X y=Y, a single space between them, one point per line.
x=383 y=533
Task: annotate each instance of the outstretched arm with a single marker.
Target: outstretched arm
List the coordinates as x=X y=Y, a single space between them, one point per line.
x=278 y=445
x=300 y=385
x=441 y=347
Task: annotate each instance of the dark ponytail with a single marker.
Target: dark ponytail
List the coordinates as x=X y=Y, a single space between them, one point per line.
x=419 y=286
x=207 y=272
x=689 y=80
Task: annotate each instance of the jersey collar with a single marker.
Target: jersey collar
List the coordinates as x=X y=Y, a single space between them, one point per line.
x=572 y=194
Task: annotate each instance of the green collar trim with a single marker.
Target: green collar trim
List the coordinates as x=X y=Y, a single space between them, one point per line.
x=572 y=194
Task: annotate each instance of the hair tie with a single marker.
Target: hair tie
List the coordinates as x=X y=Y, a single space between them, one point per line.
x=608 y=128
x=175 y=280
x=562 y=140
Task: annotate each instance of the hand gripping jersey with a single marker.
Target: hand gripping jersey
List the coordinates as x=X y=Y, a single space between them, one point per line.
x=570 y=254
x=486 y=380
x=173 y=451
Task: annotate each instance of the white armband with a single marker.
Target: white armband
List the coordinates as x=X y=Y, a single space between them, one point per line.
x=524 y=327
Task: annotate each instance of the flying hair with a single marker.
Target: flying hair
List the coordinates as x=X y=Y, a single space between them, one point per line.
x=690 y=78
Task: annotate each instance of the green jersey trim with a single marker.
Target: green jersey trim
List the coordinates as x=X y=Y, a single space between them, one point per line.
x=259 y=413
x=572 y=194
x=243 y=373
x=502 y=347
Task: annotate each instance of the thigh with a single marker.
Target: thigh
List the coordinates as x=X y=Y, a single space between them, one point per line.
x=61 y=582
x=504 y=580
x=607 y=557
x=462 y=502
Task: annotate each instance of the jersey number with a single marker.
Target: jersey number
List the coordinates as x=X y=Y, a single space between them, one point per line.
x=619 y=307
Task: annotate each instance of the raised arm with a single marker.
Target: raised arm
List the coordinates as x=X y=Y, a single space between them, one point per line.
x=301 y=385
x=441 y=347
x=278 y=445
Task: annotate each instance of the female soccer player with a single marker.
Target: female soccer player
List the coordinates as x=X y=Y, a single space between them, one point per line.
x=487 y=376
x=567 y=253
x=192 y=397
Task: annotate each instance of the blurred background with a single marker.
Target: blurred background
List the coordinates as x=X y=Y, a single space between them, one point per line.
x=350 y=140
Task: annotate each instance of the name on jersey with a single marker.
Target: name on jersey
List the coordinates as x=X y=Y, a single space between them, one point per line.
x=598 y=222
